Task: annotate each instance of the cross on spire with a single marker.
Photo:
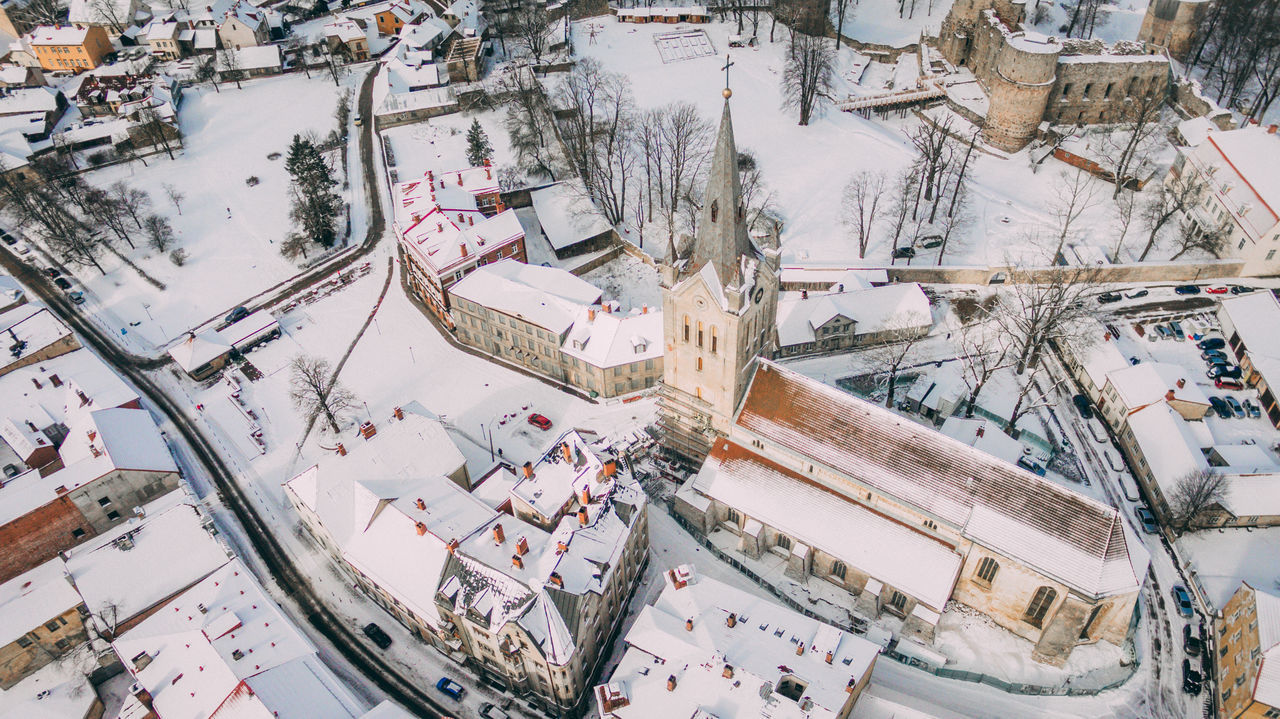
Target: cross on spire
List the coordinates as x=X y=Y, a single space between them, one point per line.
x=727 y=64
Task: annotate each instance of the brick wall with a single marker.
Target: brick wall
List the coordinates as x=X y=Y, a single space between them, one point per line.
x=38 y=536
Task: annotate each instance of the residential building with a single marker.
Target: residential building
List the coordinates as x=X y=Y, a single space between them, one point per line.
x=113 y=16
x=1241 y=194
x=41 y=107
x=1249 y=324
x=347 y=39
x=611 y=353
x=205 y=353
x=33 y=334
x=42 y=619
x=1248 y=658
x=1131 y=388
x=126 y=95
x=224 y=644
x=704 y=648
x=815 y=323
x=164 y=36
x=448 y=224
x=1090 y=356
x=571 y=222
x=11 y=294
x=664 y=14
x=243 y=26
x=69 y=48
x=20 y=76
x=395 y=15
x=252 y=61
x=524 y=580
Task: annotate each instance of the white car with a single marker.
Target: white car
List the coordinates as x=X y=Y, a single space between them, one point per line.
x=22 y=248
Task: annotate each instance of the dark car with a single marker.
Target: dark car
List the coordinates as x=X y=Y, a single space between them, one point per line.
x=8 y=238
x=77 y=298
x=1182 y=600
x=1211 y=343
x=1137 y=294
x=1192 y=682
x=1187 y=290
x=1228 y=383
x=62 y=283
x=1082 y=406
x=1175 y=330
x=1211 y=355
x=11 y=470
x=1253 y=409
x=53 y=272
x=1220 y=407
x=539 y=421
x=1235 y=406
x=904 y=253
x=1191 y=641
x=1031 y=465
x=237 y=314
x=489 y=711
x=1218 y=361
x=1241 y=290
x=1147 y=520
x=452 y=688
x=1216 y=371
x=376 y=635
x=1109 y=297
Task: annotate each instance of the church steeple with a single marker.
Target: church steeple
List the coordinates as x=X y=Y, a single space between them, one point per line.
x=722 y=231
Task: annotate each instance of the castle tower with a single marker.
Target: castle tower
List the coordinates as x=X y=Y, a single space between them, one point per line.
x=719 y=307
x=1172 y=24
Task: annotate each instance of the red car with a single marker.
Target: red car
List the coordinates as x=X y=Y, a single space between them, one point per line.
x=1216 y=290
x=1220 y=383
x=539 y=421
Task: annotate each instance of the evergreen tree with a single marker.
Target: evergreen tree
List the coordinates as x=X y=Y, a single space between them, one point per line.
x=315 y=204
x=478 y=148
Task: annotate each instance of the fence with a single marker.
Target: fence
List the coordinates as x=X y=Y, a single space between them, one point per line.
x=942 y=672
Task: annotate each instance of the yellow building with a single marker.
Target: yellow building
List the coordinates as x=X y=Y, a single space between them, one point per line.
x=1248 y=655
x=69 y=48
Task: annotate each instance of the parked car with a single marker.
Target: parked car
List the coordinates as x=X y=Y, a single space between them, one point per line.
x=1228 y=383
x=1108 y=297
x=53 y=272
x=1241 y=290
x=1211 y=343
x=1253 y=409
x=1192 y=682
x=1147 y=520
x=237 y=314
x=1220 y=407
x=62 y=283
x=8 y=238
x=77 y=298
x=1082 y=406
x=1182 y=600
x=1232 y=371
x=1218 y=362
x=1136 y=294
x=1175 y=329
x=377 y=636
x=452 y=688
x=489 y=711
x=1236 y=408
x=22 y=248
x=1187 y=290
x=1191 y=641
x=904 y=253
x=1031 y=465
x=539 y=421
x=1212 y=355
x=1217 y=290
x=1162 y=331
x=11 y=470
x=932 y=243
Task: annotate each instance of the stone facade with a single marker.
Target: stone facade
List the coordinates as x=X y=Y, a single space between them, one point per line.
x=41 y=645
x=1237 y=659
x=1172 y=24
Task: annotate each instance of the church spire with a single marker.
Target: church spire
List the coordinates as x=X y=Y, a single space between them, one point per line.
x=722 y=230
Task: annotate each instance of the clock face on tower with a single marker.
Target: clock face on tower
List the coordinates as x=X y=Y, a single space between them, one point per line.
x=758 y=295
x=700 y=303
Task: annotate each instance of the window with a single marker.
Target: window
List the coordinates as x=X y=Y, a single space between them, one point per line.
x=1039 y=606
x=732 y=516
x=113 y=515
x=715 y=209
x=1093 y=617
x=1087 y=88
x=838 y=570
x=898 y=601
x=77 y=533
x=1110 y=87
x=988 y=568
x=105 y=501
x=714 y=339
x=1066 y=89
x=686 y=328
x=699 y=335
x=1271 y=255
x=52 y=625
x=23 y=641
x=699 y=364
x=783 y=541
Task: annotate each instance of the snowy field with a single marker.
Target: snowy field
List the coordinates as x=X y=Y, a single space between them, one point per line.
x=440 y=143
x=228 y=136
x=878 y=21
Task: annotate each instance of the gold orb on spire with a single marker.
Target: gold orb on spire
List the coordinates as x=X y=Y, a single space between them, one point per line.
x=727 y=93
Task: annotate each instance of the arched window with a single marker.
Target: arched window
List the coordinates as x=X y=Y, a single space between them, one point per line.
x=987 y=570
x=783 y=541
x=713 y=339
x=686 y=328
x=715 y=209
x=699 y=364
x=838 y=570
x=898 y=601
x=1039 y=606
x=732 y=516
x=699 y=334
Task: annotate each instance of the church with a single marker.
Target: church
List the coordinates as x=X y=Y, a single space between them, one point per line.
x=902 y=518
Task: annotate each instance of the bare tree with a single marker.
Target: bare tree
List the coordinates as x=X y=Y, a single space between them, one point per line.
x=206 y=70
x=1191 y=236
x=152 y=129
x=314 y=389
x=529 y=122
x=842 y=11
x=175 y=196
x=1074 y=194
x=134 y=202
x=935 y=150
x=808 y=74
x=897 y=347
x=159 y=232
x=1127 y=151
x=1031 y=396
x=906 y=188
x=598 y=131
x=30 y=15
x=530 y=26
x=1174 y=196
x=956 y=221
x=984 y=349
x=104 y=210
x=1195 y=494
x=1034 y=312
x=229 y=66
x=1126 y=203
x=110 y=12
x=861 y=203
x=295 y=245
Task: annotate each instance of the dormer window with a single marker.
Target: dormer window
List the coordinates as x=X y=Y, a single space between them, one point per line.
x=715 y=210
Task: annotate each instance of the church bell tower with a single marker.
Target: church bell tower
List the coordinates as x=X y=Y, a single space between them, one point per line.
x=719 y=304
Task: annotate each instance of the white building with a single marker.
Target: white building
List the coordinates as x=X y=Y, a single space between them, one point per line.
x=810 y=322
x=706 y=649
x=1250 y=325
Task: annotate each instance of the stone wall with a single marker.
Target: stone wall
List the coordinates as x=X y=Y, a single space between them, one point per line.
x=1102 y=88
x=1172 y=24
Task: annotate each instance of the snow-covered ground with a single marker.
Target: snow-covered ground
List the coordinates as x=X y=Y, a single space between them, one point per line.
x=230 y=231
x=881 y=22
x=440 y=143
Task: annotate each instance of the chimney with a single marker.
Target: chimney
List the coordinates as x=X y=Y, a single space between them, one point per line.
x=566 y=452
x=439 y=227
x=582 y=516
x=462 y=248
x=462 y=217
x=688 y=625
x=431 y=176
x=422 y=528
x=36 y=382
x=848 y=688
x=143 y=696
x=1182 y=383
x=420 y=504
x=528 y=470
x=498 y=535
x=585 y=496
x=557 y=580
x=644 y=309
x=804 y=294
x=800 y=649
x=55 y=380
x=1168 y=396
x=522 y=546
x=728 y=672
x=561 y=547
x=488 y=173
x=453 y=545
x=611 y=468
x=342 y=451
x=982 y=430
x=367 y=430
x=608 y=308
x=1271 y=129
x=93 y=433
x=517 y=562
x=732 y=621
x=830 y=656
x=1106 y=336
x=399 y=413
x=471 y=221
x=591 y=314
x=671 y=683
x=459 y=179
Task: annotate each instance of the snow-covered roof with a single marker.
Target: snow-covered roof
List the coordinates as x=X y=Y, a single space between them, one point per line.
x=1266 y=687
x=49 y=35
x=548 y=297
x=10 y=291
x=57 y=691
x=1254 y=318
x=116 y=572
x=448 y=239
x=1196 y=130
x=258 y=57
x=24 y=100
x=424 y=35
x=249 y=328
x=33 y=598
x=1095 y=350
x=1254 y=153
x=896 y=306
x=984 y=435
x=345 y=30
x=1059 y=532
x=97 y=12
x=223 y=647
x=610 y=339
x=31 y=323
x=387 y=710
x=1168 y=446
x=1147 y=382
x=199 y=349
x=567 y=214
x=730 y=671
